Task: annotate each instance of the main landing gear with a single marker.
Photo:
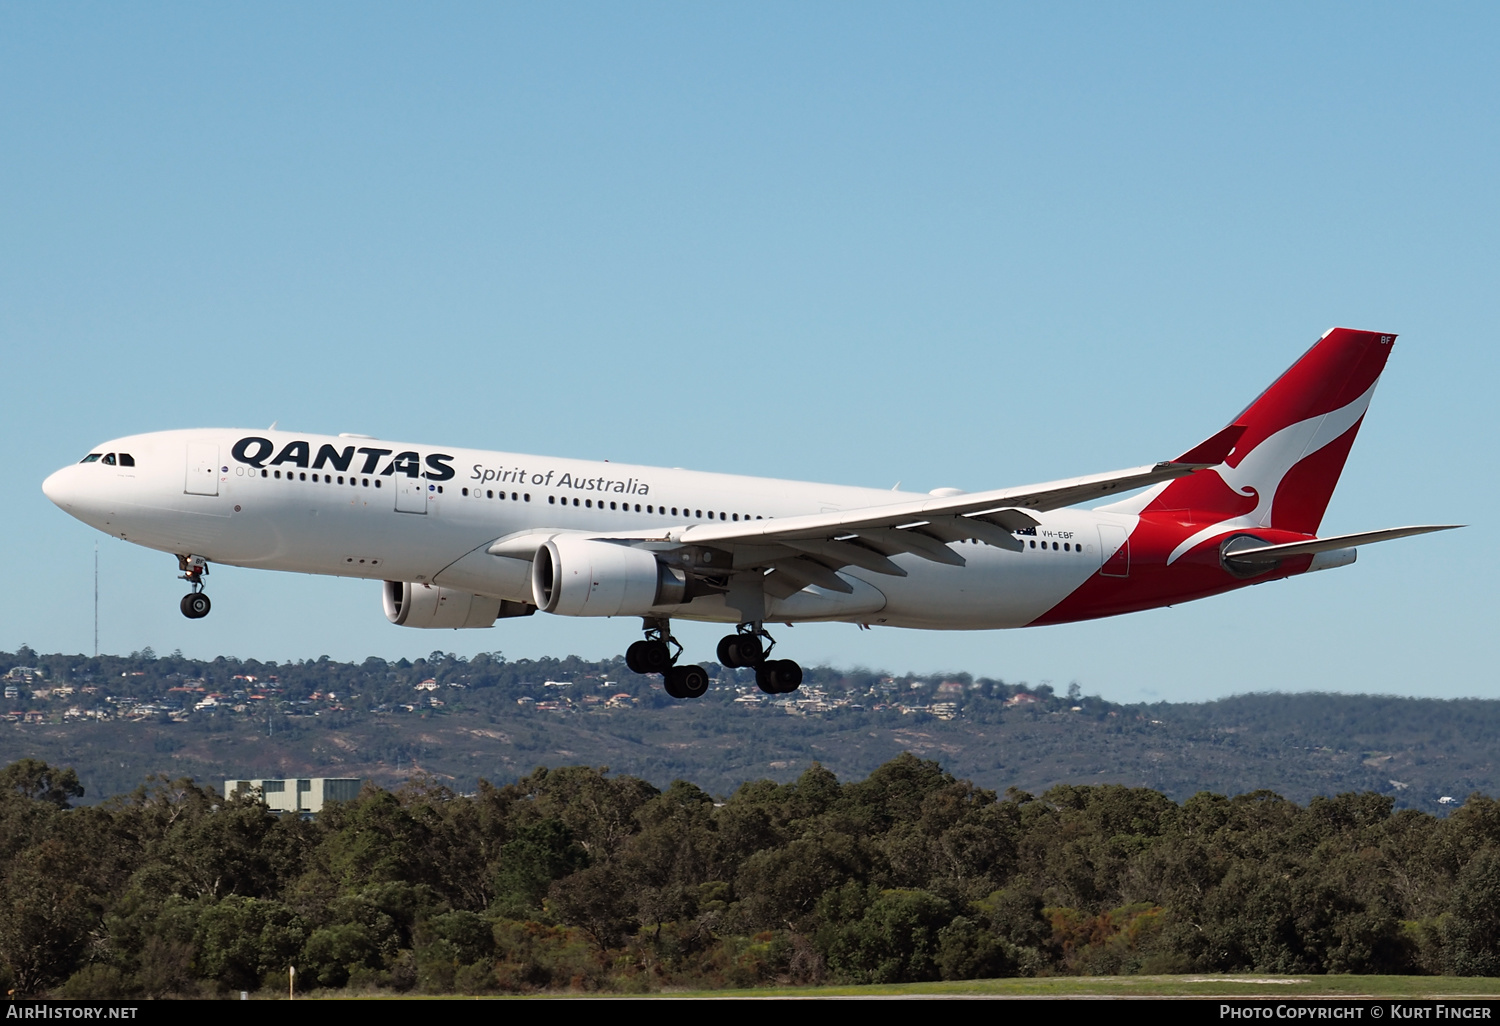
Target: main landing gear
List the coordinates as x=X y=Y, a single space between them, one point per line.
x=655 y=655
x=195 y=604
x=744 y=648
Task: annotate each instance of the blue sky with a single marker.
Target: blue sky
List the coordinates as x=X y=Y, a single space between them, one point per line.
x=951 y=245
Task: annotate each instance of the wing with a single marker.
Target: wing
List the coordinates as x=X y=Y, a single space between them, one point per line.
x=810 y=549
x=791 y=553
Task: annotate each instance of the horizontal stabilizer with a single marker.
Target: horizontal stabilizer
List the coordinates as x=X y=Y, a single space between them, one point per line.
x=1272 y=553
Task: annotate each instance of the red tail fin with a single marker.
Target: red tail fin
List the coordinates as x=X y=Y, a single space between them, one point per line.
x=1296 y=436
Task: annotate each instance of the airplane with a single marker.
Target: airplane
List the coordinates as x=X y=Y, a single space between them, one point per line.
x=462 y=538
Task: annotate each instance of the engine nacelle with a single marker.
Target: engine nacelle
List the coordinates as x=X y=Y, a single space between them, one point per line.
x=574 y=576
x=422 y=605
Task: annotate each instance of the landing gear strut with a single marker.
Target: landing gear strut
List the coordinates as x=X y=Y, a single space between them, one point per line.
x=195 y=604
x=654 y=655
x=745 y=648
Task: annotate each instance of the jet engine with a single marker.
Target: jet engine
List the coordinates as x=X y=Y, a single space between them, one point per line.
x=422 y=605
x=574 y=576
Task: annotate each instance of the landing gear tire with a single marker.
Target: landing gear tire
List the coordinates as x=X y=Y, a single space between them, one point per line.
x=648 y=657
x=765 y=677
x=653 y=656
x=686 y=681
x=736 y=650
x=195 y=605
x=778 y=676
x=729 y=651
x=750 y=649
x=788 y=675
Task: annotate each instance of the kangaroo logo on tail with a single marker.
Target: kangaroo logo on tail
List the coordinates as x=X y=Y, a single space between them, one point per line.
x=1297 y=435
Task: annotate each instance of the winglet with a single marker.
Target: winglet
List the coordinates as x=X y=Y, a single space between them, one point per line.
x=1215 y=450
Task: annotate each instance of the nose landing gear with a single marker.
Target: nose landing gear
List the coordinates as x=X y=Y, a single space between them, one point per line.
x=195 y=604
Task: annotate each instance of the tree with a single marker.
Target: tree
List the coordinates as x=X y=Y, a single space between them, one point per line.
x=45 y=916
x=34 y=779
x=243 y=940
x=528 y=863
x=1471 y=932
x=893 y=938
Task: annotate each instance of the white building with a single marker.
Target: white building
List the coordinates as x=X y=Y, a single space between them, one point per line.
x=298 y=795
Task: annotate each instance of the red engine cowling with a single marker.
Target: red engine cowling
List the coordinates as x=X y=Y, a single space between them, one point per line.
x=574 y=576
x=422 y=605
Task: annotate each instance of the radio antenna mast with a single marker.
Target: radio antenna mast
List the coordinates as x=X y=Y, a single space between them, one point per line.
x=96 y=600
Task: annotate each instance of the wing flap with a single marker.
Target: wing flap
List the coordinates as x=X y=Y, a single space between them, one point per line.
x=997 y=535
x=913 y=541
x=846 y=554
x=810 y=571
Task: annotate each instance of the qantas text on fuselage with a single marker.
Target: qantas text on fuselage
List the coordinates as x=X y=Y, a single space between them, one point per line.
x=256 y=451
x=462 y=538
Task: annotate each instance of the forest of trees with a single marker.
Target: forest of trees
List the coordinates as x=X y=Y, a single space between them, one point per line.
x=576 y=879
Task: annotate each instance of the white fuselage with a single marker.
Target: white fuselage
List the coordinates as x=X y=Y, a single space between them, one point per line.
x=385 y=511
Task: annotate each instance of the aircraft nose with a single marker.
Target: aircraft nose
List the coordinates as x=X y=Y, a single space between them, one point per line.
x=61 y=487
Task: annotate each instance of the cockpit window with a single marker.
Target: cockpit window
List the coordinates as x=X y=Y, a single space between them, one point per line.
x=109 y=459
x=127 y=460
x=92 y=457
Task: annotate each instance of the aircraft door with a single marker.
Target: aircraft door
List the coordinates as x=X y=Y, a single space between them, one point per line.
x=1114 y=550
x=202 y=469
x=411 y=494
